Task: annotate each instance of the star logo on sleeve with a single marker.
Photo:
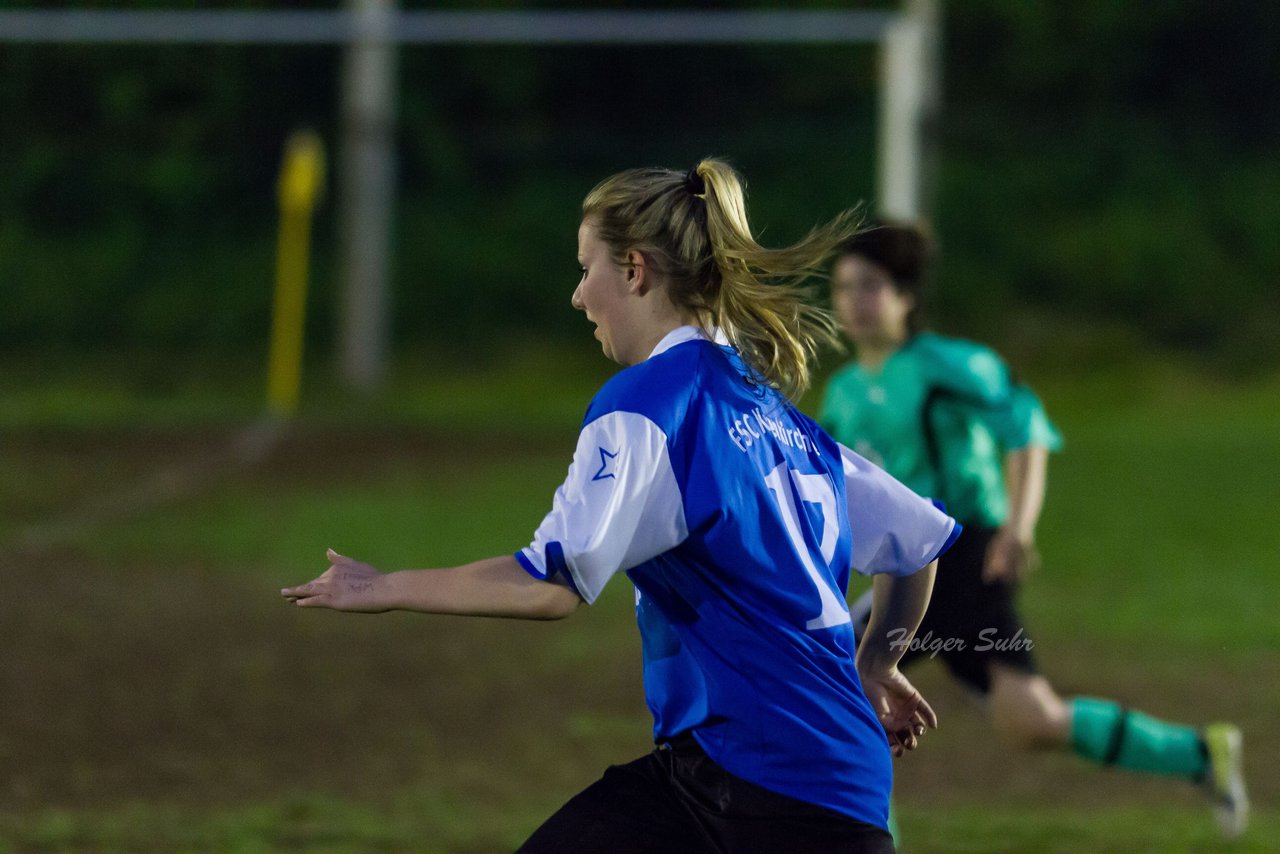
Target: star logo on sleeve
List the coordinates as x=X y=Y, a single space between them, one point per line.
x=607 y=465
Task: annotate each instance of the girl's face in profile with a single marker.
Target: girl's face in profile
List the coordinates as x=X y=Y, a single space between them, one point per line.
x=868 y=303
x=603 y=293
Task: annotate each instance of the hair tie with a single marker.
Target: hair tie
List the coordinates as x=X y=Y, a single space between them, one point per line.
x=694 y=183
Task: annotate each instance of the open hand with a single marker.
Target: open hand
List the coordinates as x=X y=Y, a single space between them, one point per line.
x=903 y=713
x=347 y=585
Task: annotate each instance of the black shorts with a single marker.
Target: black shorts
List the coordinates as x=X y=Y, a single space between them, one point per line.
x=970 y=623
x=677 y=800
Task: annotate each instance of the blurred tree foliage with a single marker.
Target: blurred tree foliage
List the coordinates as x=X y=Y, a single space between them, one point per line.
x=1100 y=160
x=1118 y=160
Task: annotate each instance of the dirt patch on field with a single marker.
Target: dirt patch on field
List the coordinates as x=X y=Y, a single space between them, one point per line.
x=183 y=683
x=179 y=685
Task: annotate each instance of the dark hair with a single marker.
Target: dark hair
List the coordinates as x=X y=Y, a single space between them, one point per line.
x=905 y=250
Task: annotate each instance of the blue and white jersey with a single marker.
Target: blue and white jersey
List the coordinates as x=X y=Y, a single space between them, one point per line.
x=738 y=520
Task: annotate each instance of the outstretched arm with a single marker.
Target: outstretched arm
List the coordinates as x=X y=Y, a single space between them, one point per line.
x=898 y=606
x=493 y=587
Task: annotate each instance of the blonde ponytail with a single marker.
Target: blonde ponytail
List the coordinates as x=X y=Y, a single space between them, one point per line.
x=693 y=227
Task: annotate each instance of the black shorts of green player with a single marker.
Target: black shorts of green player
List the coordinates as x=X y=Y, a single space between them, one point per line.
x=970 y=623
x=677 y=799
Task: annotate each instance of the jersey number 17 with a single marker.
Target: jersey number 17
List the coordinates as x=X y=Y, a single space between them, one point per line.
x=812 y=489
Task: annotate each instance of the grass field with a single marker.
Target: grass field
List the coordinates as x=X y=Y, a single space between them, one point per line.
x=156 y=695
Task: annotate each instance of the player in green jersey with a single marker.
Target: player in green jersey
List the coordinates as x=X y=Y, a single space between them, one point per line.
x=945 y=417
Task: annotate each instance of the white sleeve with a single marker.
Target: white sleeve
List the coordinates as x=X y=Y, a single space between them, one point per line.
x=894 y=530
x=618 y=507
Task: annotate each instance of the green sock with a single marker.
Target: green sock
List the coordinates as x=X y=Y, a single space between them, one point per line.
x=1107 y=732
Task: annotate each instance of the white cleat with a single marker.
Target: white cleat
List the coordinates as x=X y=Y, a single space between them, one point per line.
x=1224 y=780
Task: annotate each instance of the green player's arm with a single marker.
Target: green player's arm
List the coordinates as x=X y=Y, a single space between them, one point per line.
x=1025 y=475
x=1012 y=552
x=493 y=587
x=898 y=604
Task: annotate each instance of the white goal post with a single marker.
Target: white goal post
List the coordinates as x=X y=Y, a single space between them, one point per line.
x=372 y=29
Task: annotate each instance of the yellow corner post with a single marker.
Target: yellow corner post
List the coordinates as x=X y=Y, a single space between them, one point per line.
x=301 y=184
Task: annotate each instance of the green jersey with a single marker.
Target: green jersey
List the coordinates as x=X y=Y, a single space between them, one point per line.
x=939 y=416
